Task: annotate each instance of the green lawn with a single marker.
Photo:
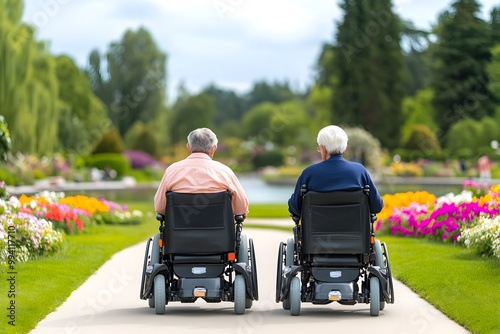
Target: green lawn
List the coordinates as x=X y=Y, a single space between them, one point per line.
x=461 y=284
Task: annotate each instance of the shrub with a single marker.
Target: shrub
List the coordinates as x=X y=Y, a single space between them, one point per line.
x=268 y=158
x=140 y=159
x=146 y=142
x=364 y=148
x=111 y=142
x=117 y=162
x=423 y=139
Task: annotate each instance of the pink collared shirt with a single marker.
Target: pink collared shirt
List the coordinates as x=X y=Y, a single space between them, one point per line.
x=198 y=173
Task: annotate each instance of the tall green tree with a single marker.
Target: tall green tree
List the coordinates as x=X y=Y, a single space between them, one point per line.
x=368 y=66
x=191 y=112
x=230 y=106
x=417 y=57
x=83 y=118
x=276 y=92
x=495 y=25
x=133 y=84
x=16 y=56
x=461 y=53
x=44 y=104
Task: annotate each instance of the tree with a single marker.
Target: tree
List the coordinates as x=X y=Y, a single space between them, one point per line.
x=16 y=56
x=5 y=143
x=83 y=117
x=135 y=88
x=418 y=110
x=189 y=113
x=368 y=69
x=495 y=25
x=493 y=70
x=229 y=106
x=460 y=81
x=256 y=121
x=263 y=91
x=417 y=57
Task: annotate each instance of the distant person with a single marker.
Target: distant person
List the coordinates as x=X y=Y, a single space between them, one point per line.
x=462 y=165
x=484 y=168
x=198 y=173
x=334 y=172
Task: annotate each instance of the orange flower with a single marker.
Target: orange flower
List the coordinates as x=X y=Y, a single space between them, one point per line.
x=400 y=200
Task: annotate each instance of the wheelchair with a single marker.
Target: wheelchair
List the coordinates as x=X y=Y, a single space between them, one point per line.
x=200 y=252
x=334 y=256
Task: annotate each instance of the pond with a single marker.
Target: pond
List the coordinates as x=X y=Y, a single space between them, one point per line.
x=258 y=191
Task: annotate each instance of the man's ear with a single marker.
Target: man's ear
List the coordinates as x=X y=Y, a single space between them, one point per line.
x=188 y=148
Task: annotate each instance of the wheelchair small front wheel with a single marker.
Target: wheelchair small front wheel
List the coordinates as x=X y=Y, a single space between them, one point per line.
x=160 y=295
x=379 y=261
x=374 y=296
x=294 y=296
x=239 y=294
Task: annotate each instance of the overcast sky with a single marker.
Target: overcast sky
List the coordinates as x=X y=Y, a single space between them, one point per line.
x=232 y=43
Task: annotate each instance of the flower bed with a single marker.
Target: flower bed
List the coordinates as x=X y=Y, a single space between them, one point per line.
x=471 y=218
x=32 y=226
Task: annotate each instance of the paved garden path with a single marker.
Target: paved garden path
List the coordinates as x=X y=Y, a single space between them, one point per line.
x=108 y=302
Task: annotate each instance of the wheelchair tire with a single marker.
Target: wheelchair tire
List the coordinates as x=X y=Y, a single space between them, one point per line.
x=239 y=294
x=288 y=263
x=243 y=250
x=379 y=261
x=253 y=263
x=279 y=272
x=294 y=296
x=389 y=273
x=155 y=258
x=160 y=294
x=374 y=296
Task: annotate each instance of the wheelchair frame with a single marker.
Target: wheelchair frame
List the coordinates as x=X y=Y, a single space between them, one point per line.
x=332 y=271
x=193 y=266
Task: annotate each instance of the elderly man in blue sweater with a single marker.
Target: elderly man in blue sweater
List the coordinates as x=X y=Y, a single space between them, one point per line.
x=333 y=172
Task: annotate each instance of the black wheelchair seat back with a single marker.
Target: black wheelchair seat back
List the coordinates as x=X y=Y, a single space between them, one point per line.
x=335 y=223
x=199 y=224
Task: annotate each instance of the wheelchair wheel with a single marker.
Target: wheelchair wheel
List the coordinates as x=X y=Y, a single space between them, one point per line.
x=155 y=258
x=294 y=296
x=374 y=296
x=288 y=263
x=243 y=250
x=160 y=298
x=239 y=294
x=253 y=263
x=379 y=261
x=389 y=272
x=279 y=272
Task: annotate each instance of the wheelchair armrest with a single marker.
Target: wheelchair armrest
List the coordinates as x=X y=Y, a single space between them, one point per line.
x=160 y=217
x=373 y=217
x=239 y=219
x=296 y=219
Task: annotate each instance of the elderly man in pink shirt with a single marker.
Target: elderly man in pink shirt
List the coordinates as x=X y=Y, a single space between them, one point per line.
x=198 y=173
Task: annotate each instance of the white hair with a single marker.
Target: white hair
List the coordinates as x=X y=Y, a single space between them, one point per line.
x=202 y=140
x=333 y=138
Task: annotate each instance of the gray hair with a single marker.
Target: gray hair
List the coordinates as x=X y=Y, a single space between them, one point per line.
x=333 y=138
x=202 y=140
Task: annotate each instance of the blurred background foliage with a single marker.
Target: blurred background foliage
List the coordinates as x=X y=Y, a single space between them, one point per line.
x=428 y=97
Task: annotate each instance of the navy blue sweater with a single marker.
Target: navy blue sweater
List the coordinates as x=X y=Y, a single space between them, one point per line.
x=335 y=173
